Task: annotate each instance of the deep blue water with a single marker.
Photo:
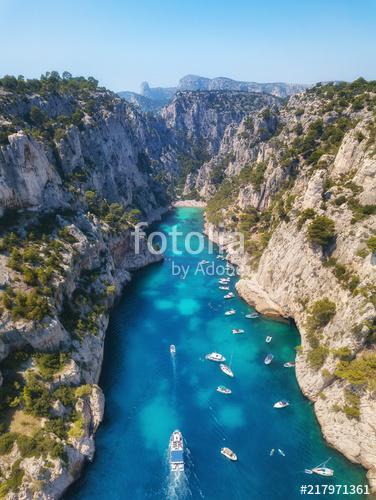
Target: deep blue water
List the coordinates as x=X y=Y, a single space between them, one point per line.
x=148 y=395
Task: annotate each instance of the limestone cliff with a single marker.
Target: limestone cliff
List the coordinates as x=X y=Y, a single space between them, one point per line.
x=78 y=168
x=305 y=201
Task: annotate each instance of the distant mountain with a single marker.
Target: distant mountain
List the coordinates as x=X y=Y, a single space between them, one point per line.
x=278 y=89
x=154 y=98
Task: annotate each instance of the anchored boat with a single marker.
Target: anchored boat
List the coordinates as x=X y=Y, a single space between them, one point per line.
x=224 y=288
x=229 y=296
x=268 y=359
x=268 y=339
x=229 y=454
x=176 y=452
x=230 y=312
x=223 y=389
x=226 y=369
x=321 y=470
x=215 y=356
x=252 y=315
x=281 y=404
x=236 y=331
x=289 y=364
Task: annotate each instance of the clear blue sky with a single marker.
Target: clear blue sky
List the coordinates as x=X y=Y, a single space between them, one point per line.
x=125 y=42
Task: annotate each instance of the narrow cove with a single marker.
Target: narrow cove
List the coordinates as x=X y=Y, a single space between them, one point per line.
x=148 y=394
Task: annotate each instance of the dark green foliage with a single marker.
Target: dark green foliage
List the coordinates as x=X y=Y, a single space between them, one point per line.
x=14 y=480
x=50 y=363
x=360 y=371
x=36 y=398
x=349 y=279
x=253 y=174
x=28 y=305
x=6 y=442
x=321 y=312
x=307 y=214
x=321 y=230
x=371 y=243
x=317 y=356
x=360 y=212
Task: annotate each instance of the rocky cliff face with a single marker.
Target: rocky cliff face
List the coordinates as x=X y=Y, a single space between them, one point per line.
x=78 y=167
x=304 y=199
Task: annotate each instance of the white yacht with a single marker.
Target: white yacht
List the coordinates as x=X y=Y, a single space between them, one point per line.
x=215 y=356
x=176 y=452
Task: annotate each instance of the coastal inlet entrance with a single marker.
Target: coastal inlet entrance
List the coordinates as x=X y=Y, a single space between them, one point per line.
x=150 y=393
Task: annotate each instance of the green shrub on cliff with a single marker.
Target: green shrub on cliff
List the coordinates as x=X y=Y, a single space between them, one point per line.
x=321 y=230
x=359 y=371
x=371 y=244
x=317 y=356
x=6 y=442
x=320 y=313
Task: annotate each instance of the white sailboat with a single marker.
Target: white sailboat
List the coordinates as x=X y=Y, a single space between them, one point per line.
x=321 y=470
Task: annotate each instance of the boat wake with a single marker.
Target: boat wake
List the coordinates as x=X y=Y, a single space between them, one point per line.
x=178 y=486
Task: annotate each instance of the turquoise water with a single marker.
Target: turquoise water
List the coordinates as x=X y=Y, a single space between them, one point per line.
x=148 y=395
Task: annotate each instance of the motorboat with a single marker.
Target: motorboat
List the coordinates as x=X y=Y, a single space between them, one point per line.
x=215 y=356
x=281 y=404
x=268 y=339
x=229 y=454
x=230 y=312
x=281 y=452
x=226 y=369
x=224 y=280
x=237 y=331
x=176 y=452
x=229 y=296
x=224 y=288
x=172 y=349
x=203 y=262
x=252 y=315
x=268 y=359
x=223 y=389
x=289 y=364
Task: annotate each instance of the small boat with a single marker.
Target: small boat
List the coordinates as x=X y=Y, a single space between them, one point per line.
x=281 y=452
x=224 y=288
x=226 y=369
x=268 y=339
x=229 y=296
x=176 y=452
x=252 y=315
x=289 y=364
x=321 y=470
x=204 y=262
x=281 y=404
x=229 y=454
x=268 y=359
x=223 y=389
x=230 y=312
x=172 y=349
x=215 y=356
x=236 y=331
x=272 y=452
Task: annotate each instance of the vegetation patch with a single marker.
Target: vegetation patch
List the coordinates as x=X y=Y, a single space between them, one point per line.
x=321 y=230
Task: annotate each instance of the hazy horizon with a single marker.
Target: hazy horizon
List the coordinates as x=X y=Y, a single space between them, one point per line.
x=122 y=43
